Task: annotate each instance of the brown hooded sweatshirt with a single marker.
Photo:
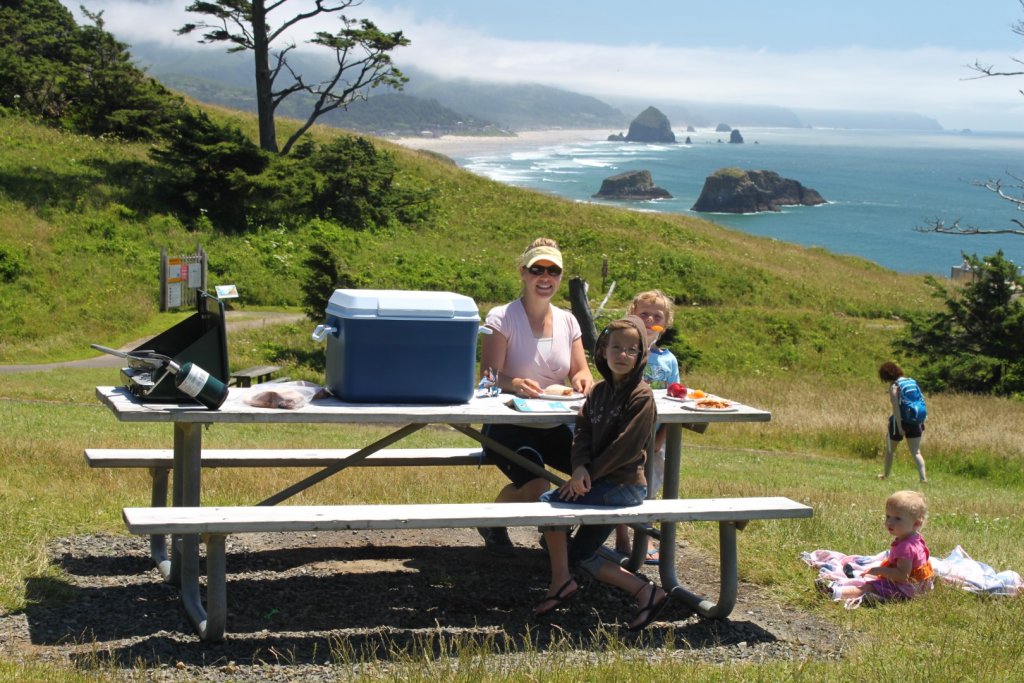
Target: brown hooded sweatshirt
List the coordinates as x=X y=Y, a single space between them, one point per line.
x=615 y=426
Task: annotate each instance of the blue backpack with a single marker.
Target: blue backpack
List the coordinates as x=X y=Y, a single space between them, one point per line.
x=912 y=407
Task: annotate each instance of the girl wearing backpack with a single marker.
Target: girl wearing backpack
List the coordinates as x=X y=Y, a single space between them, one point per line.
x=907 y=419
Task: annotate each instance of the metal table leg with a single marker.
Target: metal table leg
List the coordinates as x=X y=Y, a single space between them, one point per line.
x=728 y=558
x=216 y=590
x=638 y=554
x=185 y=570
x=158 y=542
x=356 y=457
x=507 y=453
x=188 y=447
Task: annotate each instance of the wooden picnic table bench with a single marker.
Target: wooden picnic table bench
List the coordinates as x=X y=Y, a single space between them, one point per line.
x=214 y=524
x=257 y=374
x=163 y=458
x=160 y=461
x=189 y=459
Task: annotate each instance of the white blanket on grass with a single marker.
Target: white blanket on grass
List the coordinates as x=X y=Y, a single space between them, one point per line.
x=956 y=569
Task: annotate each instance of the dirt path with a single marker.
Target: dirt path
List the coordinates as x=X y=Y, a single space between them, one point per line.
x=236 y=320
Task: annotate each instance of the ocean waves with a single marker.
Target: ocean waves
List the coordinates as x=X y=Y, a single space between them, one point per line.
x=880 y=186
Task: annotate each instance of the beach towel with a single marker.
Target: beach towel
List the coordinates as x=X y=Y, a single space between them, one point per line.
x=957 y=569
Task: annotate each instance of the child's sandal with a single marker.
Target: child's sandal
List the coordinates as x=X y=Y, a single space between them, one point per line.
x=652 y=609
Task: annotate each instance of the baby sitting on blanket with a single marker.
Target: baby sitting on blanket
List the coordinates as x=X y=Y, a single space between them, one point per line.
x=905 y=572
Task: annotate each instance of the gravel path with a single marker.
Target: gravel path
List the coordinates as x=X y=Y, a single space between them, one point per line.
x=295 y=600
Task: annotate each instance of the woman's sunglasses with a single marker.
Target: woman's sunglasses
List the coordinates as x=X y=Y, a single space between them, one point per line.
x=553 y=271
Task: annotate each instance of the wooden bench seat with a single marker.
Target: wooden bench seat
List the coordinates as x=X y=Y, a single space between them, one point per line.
x=259 y=373
x=216 y=523
x=259 y=518
x=160 y=461
x=163 y=458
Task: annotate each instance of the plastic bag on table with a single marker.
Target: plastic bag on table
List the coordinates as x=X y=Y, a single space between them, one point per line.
x=280 y=395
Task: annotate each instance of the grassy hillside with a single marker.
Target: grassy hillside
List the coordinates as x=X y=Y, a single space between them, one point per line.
x=76 y=222
x=796 y=331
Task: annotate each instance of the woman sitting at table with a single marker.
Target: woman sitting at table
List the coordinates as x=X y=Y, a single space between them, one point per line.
x=533 y=345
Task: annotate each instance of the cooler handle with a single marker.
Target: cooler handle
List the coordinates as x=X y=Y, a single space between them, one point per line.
x=321 y=332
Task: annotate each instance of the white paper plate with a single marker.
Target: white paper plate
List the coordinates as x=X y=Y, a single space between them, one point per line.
x=680 y=400
x=556 y=397
x=707 y=409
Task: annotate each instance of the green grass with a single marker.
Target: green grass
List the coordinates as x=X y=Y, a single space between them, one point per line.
x=47 y=491
x=797 y=331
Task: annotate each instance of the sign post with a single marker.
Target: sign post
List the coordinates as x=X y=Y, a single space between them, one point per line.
x=180 y=278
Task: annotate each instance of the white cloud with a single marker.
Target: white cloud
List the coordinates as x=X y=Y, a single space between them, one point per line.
x=927 y=81
x=155 y=21
x=137 y=22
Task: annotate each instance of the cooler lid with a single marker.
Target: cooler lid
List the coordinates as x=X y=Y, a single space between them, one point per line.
x=401 y=304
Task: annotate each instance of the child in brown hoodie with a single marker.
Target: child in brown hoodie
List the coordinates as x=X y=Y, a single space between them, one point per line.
x=609 y=450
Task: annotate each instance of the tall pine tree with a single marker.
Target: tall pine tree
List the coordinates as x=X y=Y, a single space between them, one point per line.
x=361 y=56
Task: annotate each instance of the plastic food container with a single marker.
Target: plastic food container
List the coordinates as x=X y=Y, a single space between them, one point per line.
x=395 y=346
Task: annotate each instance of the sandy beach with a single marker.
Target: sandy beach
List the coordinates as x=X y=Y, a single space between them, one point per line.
x=472 y=145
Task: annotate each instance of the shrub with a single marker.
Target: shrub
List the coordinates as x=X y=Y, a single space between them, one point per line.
x=11 y=265
x=977 y=343
x=347 y=180
x=206 y=169
x=79 y=77
x=327 y=271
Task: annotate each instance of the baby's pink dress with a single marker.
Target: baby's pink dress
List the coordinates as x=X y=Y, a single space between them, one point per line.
x=914 y=549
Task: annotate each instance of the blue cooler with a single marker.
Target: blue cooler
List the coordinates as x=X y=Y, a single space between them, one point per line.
x=392 y=346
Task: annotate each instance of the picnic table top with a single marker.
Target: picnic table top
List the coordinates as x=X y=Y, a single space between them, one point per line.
x=130 y=408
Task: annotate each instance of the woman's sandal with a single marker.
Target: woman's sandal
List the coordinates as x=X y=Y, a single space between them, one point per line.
x=559 y=599
x=652 y=608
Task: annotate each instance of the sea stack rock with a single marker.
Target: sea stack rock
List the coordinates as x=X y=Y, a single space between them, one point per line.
x=631 y=185
x=650 y=126
x=733 y=190
x=723 y=128
x=735 y=137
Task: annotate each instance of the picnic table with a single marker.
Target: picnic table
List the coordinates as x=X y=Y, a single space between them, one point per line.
x=254 y=375
x=188 y=421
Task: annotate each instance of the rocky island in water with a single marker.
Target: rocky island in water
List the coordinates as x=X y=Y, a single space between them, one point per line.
x=733 y=190
x=631 y=185
x=650 y=126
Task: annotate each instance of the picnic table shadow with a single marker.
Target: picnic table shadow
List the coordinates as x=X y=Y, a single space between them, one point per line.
x=303 y=605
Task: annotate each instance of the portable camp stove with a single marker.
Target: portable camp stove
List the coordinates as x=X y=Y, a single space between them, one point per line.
x=200 y=339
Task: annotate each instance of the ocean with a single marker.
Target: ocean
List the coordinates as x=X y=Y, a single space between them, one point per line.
x=879 y=185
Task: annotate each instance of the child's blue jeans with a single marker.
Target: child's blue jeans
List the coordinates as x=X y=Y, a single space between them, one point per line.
x=589 y=537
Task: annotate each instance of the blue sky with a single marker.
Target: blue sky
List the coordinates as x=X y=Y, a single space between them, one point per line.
x=898 y=55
